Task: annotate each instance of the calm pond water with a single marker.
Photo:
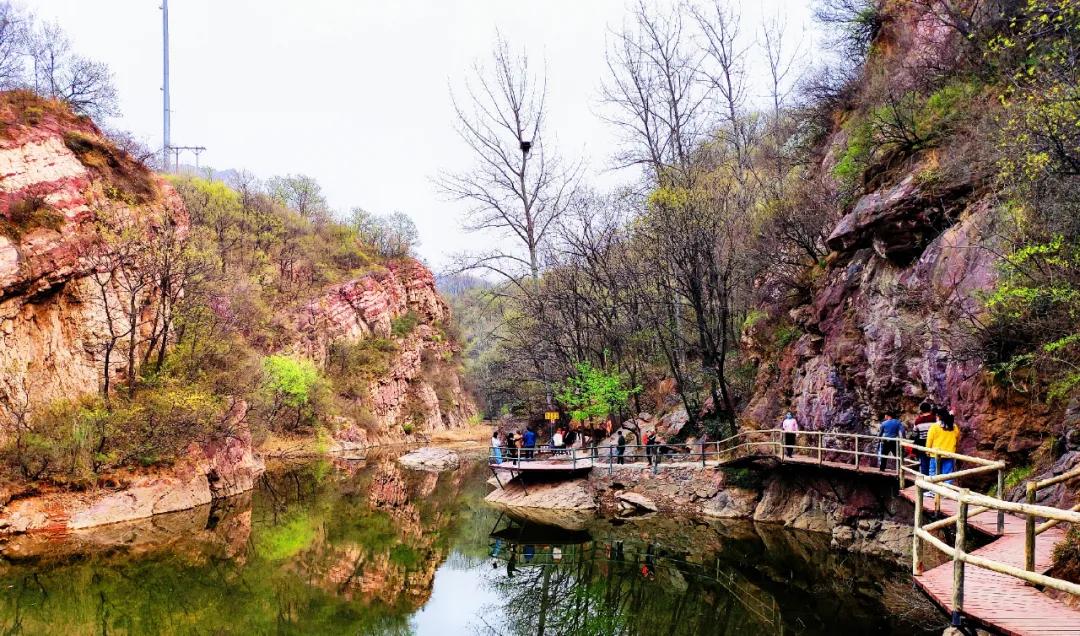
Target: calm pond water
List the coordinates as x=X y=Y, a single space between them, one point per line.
x=368 y=548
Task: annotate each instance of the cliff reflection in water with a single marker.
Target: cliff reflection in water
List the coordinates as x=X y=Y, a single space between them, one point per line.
x=369 y=548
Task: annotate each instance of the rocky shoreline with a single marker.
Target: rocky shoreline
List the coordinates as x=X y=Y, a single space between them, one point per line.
x=859 y=514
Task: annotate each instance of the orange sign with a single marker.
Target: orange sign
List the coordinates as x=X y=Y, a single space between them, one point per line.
x=551 y=416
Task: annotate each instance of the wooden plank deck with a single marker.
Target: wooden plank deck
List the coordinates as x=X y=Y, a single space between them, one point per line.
x=999 y=601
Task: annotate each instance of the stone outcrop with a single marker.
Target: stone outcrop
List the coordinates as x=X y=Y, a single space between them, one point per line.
x=635 y=500
x=60 y=179
x=563 y=495
x=367 y=306
x=421 y=388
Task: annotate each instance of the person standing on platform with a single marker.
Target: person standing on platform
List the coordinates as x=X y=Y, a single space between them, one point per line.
x=790 y=425
x=529 y=443
x=496 y=448
x=920 y=430
x=620 y=447
x=944 y=436
x=891 y=431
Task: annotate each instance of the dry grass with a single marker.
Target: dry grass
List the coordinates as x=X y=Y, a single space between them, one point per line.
x=472 y=433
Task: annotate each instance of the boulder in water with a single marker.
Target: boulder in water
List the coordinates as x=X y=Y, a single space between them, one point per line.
x=430 y=459
x=635 y=500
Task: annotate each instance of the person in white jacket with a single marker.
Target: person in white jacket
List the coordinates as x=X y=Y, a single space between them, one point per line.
x=790 y=426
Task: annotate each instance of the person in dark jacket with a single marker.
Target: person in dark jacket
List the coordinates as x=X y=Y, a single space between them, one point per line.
x=620 y=448
x=528 y=443
x=891 y=431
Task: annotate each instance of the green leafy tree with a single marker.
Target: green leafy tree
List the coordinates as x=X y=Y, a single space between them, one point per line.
x=291 y=384
x=594 y=393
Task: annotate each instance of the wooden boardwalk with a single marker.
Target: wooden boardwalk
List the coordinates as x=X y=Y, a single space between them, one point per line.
x=994 y=600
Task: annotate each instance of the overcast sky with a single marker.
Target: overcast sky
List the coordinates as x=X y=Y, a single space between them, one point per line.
x=355 y=92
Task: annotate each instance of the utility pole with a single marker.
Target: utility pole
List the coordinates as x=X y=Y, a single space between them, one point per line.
x=165 y=87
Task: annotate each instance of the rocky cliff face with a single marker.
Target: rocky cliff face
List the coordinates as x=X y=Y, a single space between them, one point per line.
x=59 y=181
x=891 y=310
x=421 y=388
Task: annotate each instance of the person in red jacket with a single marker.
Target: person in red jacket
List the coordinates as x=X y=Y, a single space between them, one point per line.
x=919 y=431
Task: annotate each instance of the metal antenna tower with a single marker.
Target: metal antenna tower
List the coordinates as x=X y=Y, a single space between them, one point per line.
x=165 y=87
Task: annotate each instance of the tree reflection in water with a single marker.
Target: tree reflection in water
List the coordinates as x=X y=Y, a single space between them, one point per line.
x=671 y=578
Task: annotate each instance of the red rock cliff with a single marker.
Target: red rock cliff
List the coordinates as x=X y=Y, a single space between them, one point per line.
x=422 y=386
x=887 y=323
x=59 y=181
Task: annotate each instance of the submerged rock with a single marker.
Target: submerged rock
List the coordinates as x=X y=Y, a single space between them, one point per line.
x=431 y=459
x=636 y=500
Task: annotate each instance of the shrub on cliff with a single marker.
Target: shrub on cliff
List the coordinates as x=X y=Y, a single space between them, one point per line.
x=1032 y=339
x=74 y=441
x=291 y=385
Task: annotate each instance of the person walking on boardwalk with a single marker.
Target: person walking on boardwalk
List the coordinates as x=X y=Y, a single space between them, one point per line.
x=557 y=440
x=529 y=443
x=790 y=426
x=496 y=448
x=920 y=430
x=944 y=436
x=620 y=447
x=891 y=431
x=650 y=449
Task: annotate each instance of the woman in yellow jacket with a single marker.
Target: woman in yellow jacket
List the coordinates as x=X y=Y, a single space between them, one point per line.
x=944 y=436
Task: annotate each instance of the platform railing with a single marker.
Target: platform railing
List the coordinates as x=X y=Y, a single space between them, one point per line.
x=966 y=500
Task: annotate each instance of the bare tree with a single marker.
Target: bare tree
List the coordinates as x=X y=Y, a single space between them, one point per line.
x=14 y=25
x=58 y=73
x=654 y=95
x=855 y=22
x=247 y=186
x=719 y=25
x=518 y=186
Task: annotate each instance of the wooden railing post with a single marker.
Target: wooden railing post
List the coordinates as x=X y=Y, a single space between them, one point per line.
x=1029 y=534
x=916 y=557
x=958 y=559
x=899 y=463
x=1000 y=495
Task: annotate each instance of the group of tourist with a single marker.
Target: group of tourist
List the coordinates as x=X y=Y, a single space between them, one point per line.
x=524 y=445
x=934 y=429
x=652 y=442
